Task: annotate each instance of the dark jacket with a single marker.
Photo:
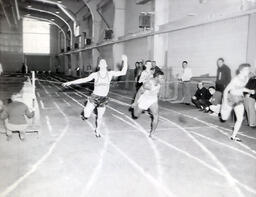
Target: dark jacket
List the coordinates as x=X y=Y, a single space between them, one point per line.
x=203 y=94
x=223 y=77
x=15 y=112
x=252 y=86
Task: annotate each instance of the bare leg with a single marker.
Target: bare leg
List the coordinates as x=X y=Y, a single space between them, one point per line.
x=239 y=112
x=100 y=113
x=136 y=112
x=154 y=110
x=138 y=94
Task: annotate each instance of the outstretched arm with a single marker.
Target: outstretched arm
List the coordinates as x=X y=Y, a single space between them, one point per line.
x=124 y=69
x=79 y=81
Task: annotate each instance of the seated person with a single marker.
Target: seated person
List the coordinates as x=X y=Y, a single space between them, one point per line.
x=201 y=97
x=15 y=114
x=215 y=101
x=249 y=102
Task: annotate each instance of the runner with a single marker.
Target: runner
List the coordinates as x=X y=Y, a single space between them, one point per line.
x=99 y=97
x=233 y=98
x=147 y=98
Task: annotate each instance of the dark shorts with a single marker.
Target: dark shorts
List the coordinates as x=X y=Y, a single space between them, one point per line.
x=98 y=101
x=234 y=100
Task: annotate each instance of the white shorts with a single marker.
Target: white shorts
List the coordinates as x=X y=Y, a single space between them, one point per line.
x=144 y=102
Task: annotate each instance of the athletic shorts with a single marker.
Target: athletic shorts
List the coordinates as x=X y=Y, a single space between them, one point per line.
x=234 y=100
x=98 y=101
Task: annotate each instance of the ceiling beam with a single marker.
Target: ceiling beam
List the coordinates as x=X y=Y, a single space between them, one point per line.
x=5 y=13
x=17 y=9
x=56 y=15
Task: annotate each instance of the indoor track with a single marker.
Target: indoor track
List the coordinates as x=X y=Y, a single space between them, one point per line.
x=190 y=153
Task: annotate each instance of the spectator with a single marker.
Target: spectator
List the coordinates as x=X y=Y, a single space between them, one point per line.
x=185 y=78
x=215 y=101
x=223 y=75
x=1 y=69
x=15 y=115
x=137 y=72
x=249 y=102
x=200 y=96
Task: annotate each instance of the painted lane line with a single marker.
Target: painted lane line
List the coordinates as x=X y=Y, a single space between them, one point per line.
x=34 y=168
x=159 y=181
x=98 y=168
x=225 y=145
x=38 y=95
x=158 y=159
x=227 y=175
x=49 y=126
x=42 y=104
x=220 y=172
x=242 y=134
x=230 y=179
x=78 y=95
x=67 y=103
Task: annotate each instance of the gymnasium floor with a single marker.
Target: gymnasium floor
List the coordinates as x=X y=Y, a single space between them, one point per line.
x=190 y=154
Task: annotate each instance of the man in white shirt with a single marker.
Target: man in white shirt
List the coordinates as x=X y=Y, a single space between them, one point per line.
x=185 y=78
x=99 y=97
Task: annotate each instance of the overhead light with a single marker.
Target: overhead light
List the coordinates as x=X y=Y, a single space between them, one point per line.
x=59 y=1
x=27 y=15
x=52 y=19
x=29 y=6
x=57 y=12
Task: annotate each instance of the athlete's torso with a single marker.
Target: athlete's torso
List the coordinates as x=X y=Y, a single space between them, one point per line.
x=238 y=85
x=102 y=84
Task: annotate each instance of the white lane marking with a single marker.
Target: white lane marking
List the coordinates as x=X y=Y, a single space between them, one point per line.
x=222 y=132
x=227 y=175
x=231 y=179
x=38 y=94
x=242 y=134
x=78 y=94
x=216 y=127
x=137 y=126
x=42 y=104
x=143 y=172
x=48 y=125
x=225 y=145
x=73 y=99
x=67 y=103
x=98 y=168
x=13 y=186
x=158 y=182
x=45 y=90
x=220 y=172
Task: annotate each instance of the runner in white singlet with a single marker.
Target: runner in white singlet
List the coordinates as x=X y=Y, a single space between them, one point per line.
x=233 y=98
x=99 y=97
x=147 y=98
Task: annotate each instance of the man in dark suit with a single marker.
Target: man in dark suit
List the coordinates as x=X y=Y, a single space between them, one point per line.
x=249 y=103
x=201 y=97
x=223 y=75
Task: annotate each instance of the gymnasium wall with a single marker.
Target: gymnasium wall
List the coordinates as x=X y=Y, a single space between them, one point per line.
x=202 y=45
x=132 y=15
x=11 y=46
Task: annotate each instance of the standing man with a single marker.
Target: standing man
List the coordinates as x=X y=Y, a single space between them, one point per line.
x=99 y=97
x=223 y=75
x=186 y=78
x=249 y=102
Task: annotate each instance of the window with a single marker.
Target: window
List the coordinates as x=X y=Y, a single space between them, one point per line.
x=36 y=36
